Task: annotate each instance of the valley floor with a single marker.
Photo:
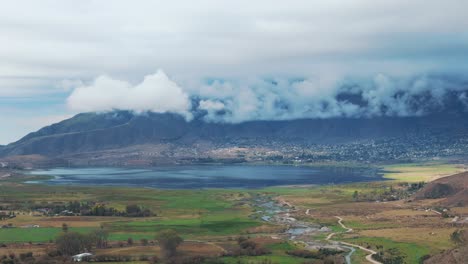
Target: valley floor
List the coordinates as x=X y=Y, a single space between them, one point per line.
x=380 y=217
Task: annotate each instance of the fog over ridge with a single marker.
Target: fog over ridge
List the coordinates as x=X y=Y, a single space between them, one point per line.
x=234 y=101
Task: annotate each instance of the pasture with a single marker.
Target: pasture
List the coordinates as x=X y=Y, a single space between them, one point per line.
x=213 y=218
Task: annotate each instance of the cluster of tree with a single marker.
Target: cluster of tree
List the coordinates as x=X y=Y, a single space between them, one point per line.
x=199 y=260
x=168 y=241
x=459 y=237
x=134 y=210
x=248 y=247
x=413 y=187
x=5 y=215
x=29 y=258
x=389 y=256
x=322 y=253
x=391 y=193
x=116 y=258
x=71 y=243
x=90 y=208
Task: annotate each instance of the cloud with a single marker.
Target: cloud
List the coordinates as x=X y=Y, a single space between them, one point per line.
x=314 y=97
x=156 y=93
x=234 y=101
x=71 y=40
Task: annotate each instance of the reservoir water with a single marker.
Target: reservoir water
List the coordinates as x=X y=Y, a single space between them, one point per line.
x=207 y=176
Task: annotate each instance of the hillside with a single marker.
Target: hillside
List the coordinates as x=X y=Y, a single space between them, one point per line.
x=454 y=190
x=97 y=132
x=458 y=255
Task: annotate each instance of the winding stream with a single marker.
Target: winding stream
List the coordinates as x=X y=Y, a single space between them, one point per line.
x=301 y=232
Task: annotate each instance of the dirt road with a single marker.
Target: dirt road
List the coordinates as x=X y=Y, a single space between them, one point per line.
x=348 y=230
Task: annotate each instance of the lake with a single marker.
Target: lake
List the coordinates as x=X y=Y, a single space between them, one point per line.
x=207 y=176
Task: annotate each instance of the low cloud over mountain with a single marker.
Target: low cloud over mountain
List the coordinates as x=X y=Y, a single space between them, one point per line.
x=236 y=101
x=156 y=93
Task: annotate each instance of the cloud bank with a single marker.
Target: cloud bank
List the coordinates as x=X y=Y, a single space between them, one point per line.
x=276 y=98
x=156 y=93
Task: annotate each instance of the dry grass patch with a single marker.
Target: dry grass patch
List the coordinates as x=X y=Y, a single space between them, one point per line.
x=265 y=229
x=305 y=201
x=37 y=250
x=403 y=212
x=435 y=238
x=190 y=248
x=421 y=172
x=459 y=210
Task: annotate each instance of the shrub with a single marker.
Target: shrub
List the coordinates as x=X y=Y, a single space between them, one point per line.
x=72 y=243
x=168 y=240
x=144 y=242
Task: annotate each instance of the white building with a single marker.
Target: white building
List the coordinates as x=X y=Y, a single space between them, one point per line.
x=80 y=257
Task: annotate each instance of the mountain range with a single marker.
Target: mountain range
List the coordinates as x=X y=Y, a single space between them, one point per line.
x=99 y=131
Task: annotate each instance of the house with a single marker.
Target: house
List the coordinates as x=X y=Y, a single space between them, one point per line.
x=42 y=211
x=81 y=257
x=67 y=213
x=31 y=226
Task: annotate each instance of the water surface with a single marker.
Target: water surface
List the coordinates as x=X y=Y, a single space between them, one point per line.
x=207 y=176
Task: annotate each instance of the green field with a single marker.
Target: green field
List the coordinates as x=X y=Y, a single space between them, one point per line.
x=411 y=252
x=220 y=223
x=219 y=214
x=10 y=235
x=191 y=213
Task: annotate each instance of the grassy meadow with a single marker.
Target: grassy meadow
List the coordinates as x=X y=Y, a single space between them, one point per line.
x=213 y=218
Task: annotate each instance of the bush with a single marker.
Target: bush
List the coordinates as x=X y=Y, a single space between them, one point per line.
x=249 y=248
x=134 y=210
x=154 y=260
x=301 y=253
x=168 y=240
x=111 y=258
x=72 y=243
x=144 y=242
x=26 y=256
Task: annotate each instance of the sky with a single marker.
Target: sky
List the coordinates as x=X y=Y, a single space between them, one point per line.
x=233 y=61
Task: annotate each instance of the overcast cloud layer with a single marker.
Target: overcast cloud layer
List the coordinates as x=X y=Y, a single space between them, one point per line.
x=231 y=60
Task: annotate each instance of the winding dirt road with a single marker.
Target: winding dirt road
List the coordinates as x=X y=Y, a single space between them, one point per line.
x=370 y=251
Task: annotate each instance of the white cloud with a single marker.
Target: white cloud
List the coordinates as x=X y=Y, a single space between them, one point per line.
x=69 y=39
x=210 y=105
x=279 y=99
x=156 y=93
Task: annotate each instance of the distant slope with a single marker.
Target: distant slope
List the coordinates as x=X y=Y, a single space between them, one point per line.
x=454 y=190
x=458 y=255
x=454 y=256
x=101 y=131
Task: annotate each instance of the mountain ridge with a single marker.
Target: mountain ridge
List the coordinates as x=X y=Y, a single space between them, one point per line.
x=90 y=132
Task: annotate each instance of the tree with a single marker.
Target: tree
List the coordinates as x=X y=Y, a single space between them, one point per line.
x=355 y=195
x=64 y=227
x=457 y=237
x=134 y=210
x=144 y=241
x=168 y=240
x=72 y=243
x=99 y=237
